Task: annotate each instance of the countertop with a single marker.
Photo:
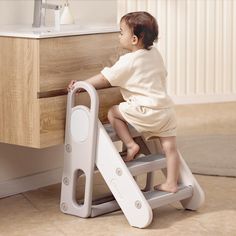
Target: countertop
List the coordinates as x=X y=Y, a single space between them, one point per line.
x=27 y=31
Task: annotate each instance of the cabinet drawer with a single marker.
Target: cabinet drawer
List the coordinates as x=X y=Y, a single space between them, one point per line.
x=77 y=57
x=53 y=114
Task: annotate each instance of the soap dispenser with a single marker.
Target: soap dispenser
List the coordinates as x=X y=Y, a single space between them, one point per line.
x=66 y=16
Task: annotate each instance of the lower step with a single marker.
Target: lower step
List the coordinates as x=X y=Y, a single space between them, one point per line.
x=159 y=198
x=155 y=199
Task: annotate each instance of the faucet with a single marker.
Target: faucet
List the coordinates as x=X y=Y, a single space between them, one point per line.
x=39 y=5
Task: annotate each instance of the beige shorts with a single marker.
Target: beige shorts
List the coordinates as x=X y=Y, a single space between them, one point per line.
x=150 y=122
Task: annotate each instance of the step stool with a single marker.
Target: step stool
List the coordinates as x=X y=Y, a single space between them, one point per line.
x=89 y=146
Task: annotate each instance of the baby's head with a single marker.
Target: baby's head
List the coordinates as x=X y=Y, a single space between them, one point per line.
x=143 y=25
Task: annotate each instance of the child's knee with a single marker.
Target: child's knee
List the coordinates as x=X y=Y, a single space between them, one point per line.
x=169 y=148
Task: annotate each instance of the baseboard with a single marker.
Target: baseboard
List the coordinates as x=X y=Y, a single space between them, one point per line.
x=200 y=99
x=27 y=183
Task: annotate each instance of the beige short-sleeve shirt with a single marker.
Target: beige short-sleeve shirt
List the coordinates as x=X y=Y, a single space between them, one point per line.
x=141 y=76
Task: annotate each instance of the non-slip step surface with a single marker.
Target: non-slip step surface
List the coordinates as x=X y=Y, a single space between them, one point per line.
x=160 y=198
x=111 y=132
x=146 y=164
x=155 y=199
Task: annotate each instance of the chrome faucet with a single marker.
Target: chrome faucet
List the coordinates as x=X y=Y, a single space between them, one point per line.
x=39 y=5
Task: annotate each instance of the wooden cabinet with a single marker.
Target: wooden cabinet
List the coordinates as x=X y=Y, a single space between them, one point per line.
x=33 y=76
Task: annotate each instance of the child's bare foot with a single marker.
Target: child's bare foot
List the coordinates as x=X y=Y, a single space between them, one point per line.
x=131 y=152
x=167 y=188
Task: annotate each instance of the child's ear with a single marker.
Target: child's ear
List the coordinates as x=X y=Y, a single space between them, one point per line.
x=135 y=40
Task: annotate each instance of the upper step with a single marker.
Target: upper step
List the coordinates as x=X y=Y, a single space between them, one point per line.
x=146 y=164
x=111 y=132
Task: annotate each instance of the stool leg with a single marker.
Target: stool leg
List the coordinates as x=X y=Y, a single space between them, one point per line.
x=149 y=181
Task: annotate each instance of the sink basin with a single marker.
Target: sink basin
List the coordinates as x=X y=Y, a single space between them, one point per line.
x=46 y=32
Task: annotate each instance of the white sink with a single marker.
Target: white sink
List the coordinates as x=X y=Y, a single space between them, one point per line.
x=47 y=32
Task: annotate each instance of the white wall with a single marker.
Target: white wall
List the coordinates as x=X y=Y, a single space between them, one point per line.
x=198 y=42
x=84 y=11
x=23 y=168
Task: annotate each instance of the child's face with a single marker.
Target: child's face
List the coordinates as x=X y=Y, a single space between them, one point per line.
x=126 y=36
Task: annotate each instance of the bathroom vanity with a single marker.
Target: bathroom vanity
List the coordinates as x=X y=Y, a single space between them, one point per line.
x=36 y=67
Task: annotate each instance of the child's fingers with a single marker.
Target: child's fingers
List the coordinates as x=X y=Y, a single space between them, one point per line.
x=78 y=91
x=70 y=86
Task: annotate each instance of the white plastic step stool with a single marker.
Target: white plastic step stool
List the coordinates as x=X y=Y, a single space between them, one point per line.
x=89 y=145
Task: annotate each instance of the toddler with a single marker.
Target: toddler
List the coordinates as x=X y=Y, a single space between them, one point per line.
x=141 y=75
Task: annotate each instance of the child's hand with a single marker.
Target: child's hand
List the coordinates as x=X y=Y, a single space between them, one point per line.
x=70 y=86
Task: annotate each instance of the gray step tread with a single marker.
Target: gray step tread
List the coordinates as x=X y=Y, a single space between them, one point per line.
x=111 y=132
x=159 y=198
x=155 y=199
x=146 y=164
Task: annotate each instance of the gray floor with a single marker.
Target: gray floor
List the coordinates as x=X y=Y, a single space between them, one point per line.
x=210 y=154
x=207 y=137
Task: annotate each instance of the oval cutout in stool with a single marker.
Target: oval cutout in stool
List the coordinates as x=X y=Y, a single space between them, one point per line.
x=79 y=125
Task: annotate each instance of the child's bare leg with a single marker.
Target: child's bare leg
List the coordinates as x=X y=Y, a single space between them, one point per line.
x=173 y=159
x=119 y=124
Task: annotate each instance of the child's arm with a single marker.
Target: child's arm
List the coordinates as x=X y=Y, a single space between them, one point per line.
x=98 y=81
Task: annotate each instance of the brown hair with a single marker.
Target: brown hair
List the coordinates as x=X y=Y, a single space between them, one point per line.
x=143 y=25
